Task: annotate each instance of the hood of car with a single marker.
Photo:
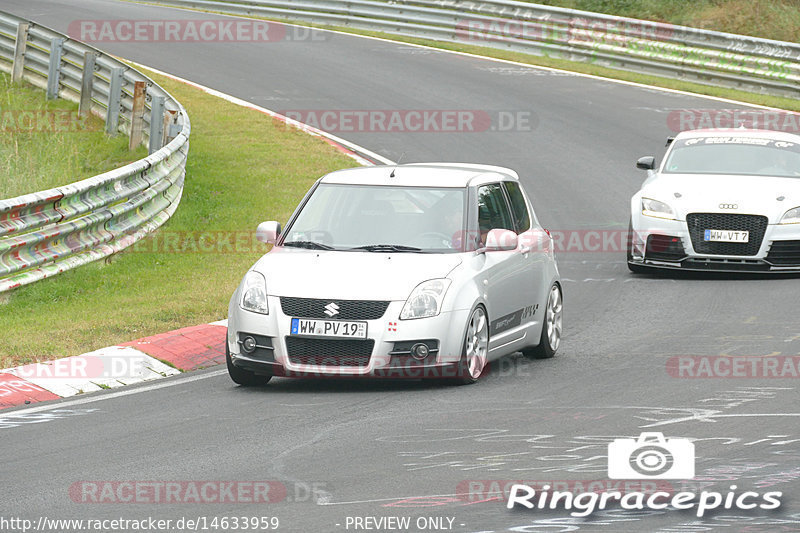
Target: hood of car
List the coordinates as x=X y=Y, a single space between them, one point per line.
x=751 y=195
x=350 y=275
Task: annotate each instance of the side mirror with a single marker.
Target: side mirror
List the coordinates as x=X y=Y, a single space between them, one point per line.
x=268 y=232
x=501 y=240
x=647 y=162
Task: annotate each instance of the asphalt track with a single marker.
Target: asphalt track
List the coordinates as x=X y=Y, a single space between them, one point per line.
x=356 y=449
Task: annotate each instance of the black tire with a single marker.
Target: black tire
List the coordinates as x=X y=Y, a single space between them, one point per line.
x=545 y=349
x=463 y=374
x=243 y=377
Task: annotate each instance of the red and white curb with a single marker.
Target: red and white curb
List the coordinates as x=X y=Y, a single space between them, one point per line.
x=146 y=359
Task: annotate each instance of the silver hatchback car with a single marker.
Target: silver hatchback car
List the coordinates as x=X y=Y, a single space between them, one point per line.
x=419 y=270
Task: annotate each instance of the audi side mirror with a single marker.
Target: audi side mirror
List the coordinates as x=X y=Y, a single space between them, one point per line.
x=647 y=162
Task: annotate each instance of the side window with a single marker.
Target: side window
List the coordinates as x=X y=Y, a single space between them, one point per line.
x=492 y=210
x=518 y=207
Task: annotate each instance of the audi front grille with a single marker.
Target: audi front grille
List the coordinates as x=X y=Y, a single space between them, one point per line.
x=698 y=223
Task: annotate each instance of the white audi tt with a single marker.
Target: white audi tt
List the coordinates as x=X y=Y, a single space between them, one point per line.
x=418 y=270
x=720 y=201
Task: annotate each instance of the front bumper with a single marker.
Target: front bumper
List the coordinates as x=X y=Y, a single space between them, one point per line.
x=388 y=357
x=667 y=244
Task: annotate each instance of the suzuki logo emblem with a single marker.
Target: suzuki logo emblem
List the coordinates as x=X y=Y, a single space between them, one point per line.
x=332 y=309
x=729 y=206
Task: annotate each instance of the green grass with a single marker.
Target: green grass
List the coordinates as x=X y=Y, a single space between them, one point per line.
x=243 y=168
x=44 y=143
x=770 y=19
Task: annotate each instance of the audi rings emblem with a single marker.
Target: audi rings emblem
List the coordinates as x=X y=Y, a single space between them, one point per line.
x=729 y=206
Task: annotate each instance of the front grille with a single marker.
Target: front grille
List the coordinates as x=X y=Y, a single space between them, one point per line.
x=699 y=222
x=784 y=253
x=347 y=309
x=664 y=248
x=329 y=352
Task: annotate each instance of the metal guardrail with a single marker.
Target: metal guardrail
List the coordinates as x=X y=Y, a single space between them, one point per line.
x=708 y=57
x=48 y=232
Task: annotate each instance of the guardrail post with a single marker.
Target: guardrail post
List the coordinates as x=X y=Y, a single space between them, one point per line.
x=156 y=123
x=54 y=71
x=137 y=115
x=170 y=126
x=114 y=100
x=19 y=52
x=87 y=83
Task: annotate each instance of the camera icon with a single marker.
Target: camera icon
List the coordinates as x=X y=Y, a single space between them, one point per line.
x=651 y=456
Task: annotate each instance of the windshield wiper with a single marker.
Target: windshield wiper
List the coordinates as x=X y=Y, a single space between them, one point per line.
x=311 y=245
x=387 y=248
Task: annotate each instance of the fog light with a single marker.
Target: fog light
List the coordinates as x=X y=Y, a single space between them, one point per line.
x=419 y=351
x=249 y=344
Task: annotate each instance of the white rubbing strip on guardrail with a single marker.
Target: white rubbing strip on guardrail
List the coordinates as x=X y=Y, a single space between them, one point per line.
x=48 y=232
x=703 y=56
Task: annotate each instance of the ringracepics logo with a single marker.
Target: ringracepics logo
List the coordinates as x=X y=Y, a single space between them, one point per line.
x=650 y=456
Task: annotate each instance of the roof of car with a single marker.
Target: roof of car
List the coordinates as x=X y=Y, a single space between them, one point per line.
x=422 y=175
x=739 y=132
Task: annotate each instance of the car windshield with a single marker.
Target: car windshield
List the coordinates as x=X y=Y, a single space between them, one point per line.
x=380 y=219
x=747 y=156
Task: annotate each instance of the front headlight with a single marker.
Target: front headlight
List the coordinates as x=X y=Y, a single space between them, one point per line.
x=425 y=300
x=792 y=216
x=654 y=208
x=254 y=293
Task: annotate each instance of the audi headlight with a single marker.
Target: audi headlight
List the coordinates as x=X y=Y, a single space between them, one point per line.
x=425 y=300
x=654 y=208
x=254 y=293
x=792 y=216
